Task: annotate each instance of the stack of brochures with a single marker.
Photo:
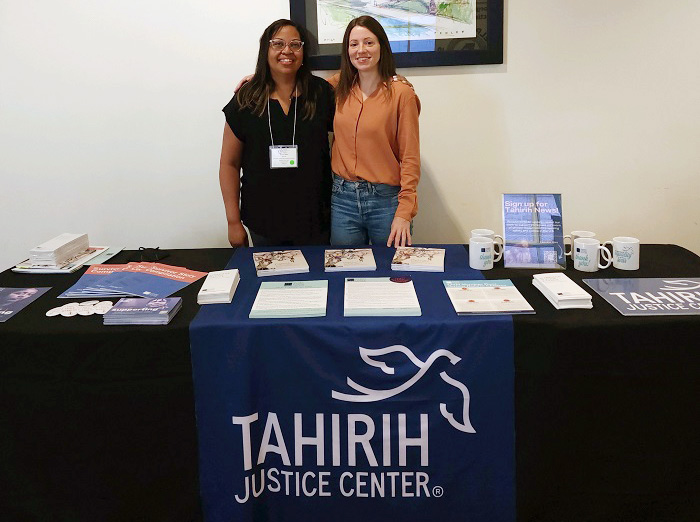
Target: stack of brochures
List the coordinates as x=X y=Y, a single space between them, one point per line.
x=137 y=310
x=278 y=299
x=349 y=260
x=280 y=262
x=498 y=296
x=132 y=279
x=380 y=296
x=63 y=254
x=58 y=250
x=561 y=291
x=219 y=287
x=419 y=259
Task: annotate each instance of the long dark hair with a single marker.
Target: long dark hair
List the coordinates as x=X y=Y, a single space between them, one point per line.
x=254 y=94
x=348 y=72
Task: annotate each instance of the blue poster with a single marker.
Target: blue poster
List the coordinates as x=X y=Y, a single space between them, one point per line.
x=13 y=300
x=533 y=231
x=354 y=418
x=650 y=295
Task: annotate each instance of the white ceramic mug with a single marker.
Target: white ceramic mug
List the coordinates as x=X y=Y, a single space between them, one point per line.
x=587 y=253
x=625 y=252
x=573 y=236
x=497 y=239
x=481 y=253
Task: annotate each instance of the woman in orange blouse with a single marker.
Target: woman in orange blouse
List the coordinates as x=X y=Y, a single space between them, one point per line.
x=376 y=152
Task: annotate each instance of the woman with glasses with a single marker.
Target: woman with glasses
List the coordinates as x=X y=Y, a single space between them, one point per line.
x=376 y=151
x=276 y=133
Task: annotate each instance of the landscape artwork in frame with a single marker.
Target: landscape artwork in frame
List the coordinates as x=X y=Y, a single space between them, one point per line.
x=421 y=32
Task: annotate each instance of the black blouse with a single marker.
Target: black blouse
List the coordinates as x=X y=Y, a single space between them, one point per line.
x=289 y=203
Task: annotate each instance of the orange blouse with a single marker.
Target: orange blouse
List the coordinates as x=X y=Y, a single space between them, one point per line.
x=376 y=140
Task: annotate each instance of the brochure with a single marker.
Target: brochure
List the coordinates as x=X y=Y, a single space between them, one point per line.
x=132 y=279
x=280 y=262
x=90 y=283
x=104 y=256
x=533 y=231
x=136 y=310
x=380 y=296
x=67 y=267
x=349 y=259
x=498 y=296
x=419 y=259
x=151 y=279
x=650 y=296
x=58 y=250
x=12 y=300
x=219 y=287
x=561 y=291
x=279 y=299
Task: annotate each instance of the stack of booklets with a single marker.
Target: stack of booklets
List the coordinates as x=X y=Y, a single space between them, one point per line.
x=561 y=291
x=380 y=296
x=219 y=287
x=497 y=296
x=63 y=254
x=419 y=259
x=349 y=260
x=132 y=279
x=278 y=299
x=280 y=262
x=137 y=310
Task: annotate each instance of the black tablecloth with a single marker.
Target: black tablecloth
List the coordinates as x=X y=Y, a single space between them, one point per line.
x=97 y=422
x=606 y=410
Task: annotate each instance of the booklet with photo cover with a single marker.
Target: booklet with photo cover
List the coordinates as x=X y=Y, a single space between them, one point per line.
x=533 y=231
x=349 y=259
x=419 y=259
x=280 y=262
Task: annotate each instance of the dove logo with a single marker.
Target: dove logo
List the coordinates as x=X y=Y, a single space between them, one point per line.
x=680 y=284
x=679 y=295
x=365 y=394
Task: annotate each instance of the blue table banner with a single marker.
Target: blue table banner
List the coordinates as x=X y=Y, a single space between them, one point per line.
x=354 y=418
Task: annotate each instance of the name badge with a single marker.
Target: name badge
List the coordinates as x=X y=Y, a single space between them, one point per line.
x=283 y=157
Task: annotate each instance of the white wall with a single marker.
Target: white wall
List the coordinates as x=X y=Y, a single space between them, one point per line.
x=110 y=120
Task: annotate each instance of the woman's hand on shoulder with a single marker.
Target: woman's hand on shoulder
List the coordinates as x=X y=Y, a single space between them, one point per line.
x=243 y=81
x=237 y=235
x=400 y=234
x=402 y=79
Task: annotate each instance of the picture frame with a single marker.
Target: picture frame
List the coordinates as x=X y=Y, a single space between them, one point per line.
x=451 y=33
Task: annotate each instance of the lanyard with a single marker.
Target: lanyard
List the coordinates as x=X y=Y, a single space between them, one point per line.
x=269 y=123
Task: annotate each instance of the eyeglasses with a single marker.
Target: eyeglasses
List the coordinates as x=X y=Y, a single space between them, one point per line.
x=278 y=45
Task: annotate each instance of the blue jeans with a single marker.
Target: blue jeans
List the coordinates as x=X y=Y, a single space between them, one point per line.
x=362 y=212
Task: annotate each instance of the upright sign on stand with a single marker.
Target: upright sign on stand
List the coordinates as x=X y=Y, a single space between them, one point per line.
x=533 y=231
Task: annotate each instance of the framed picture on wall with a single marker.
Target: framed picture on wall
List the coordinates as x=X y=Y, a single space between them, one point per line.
x=422 y=32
